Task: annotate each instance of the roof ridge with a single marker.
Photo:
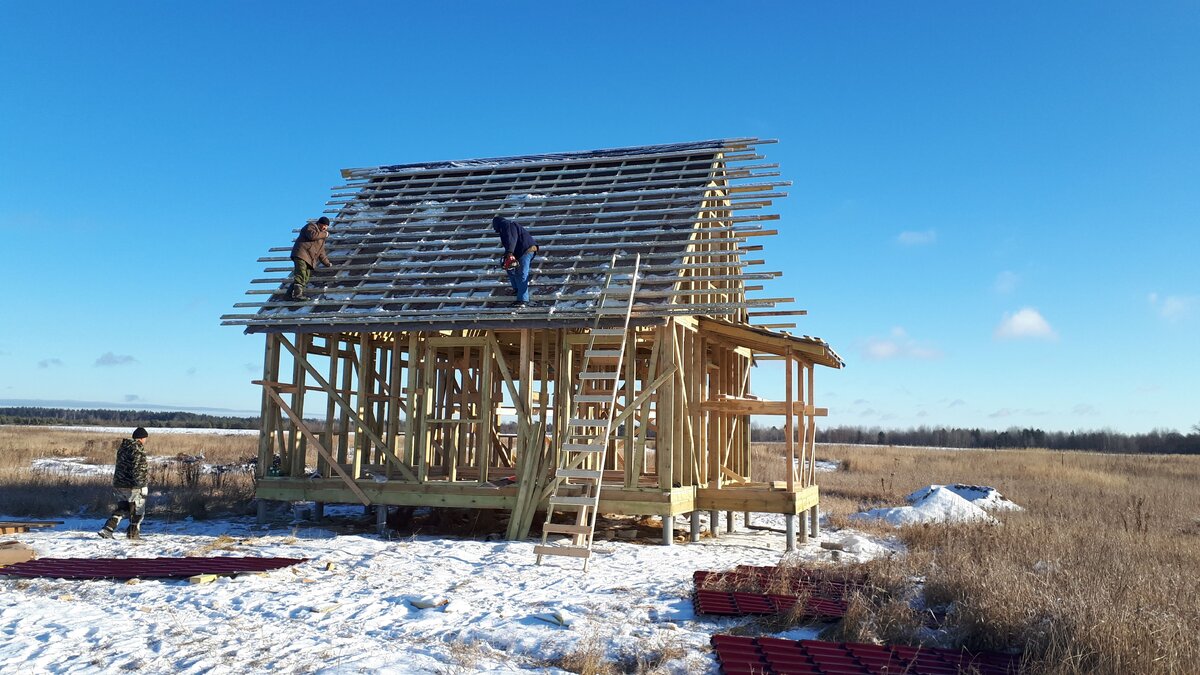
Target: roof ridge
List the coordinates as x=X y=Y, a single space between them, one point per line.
x=617 y=152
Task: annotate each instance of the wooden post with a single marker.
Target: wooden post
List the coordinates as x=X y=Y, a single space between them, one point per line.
x=329 y=437
x=393 y=405
x=789 y=431
x=664 y=411
x=299 y=443
x=269 y=413
x=414 y=399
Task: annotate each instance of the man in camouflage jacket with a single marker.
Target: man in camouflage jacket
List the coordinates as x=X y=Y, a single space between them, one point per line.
x=129 y=486
x=308 y=250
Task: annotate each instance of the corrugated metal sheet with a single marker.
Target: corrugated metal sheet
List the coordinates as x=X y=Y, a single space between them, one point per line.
x=742 y=591
x=143 y=568
x=740 y=655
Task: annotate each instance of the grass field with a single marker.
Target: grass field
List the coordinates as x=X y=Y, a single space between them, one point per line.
x=1099 y=573
x=180 y=489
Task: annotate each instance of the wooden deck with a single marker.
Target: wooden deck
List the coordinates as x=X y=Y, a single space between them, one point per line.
x=614 y=498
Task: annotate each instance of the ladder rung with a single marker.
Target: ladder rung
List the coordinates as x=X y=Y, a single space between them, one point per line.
x=572 y=501
x=580 y=422
x=572 y=551
x=602 y=353
x=608 y=331
x=593 y=398
x=560 y=528
x=579 y=473
x=583 y=447
x=599 y=376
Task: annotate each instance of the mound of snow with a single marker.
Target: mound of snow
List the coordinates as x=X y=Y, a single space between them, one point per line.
x=934 y=504
x=985 y=497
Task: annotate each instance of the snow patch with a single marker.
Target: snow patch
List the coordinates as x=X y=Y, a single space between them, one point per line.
x=942 y=504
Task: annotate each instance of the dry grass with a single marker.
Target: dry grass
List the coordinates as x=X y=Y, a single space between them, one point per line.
x=182 y=489
x=1100 y=573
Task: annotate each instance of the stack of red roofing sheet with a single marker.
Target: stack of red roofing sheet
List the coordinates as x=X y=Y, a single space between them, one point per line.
x=824 y=594
x=143 y=568
x=764 y=656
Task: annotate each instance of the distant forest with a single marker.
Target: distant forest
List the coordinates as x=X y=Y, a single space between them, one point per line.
x=118 y=418
x=1154 y=442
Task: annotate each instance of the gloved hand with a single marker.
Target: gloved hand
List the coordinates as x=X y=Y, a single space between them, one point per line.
x=145 y=490
x=510 y=261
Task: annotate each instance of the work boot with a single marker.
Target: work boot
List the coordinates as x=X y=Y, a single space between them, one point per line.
x=134 y=532
x=109 y=528
x=296 y=292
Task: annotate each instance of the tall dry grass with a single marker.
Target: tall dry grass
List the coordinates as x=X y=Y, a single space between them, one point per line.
x=1099 y=574
x=179 y=488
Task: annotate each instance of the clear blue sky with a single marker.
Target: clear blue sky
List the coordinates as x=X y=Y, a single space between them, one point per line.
x=994 y=215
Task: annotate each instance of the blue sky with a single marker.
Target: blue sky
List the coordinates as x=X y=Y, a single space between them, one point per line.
x=994 y=215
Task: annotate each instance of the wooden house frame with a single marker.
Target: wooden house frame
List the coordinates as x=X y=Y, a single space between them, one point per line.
x=413 y=354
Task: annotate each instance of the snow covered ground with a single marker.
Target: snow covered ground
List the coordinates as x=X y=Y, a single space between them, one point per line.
x=355 y=606
x=79 y=466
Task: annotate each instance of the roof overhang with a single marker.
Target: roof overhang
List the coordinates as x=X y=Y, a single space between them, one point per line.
x=767 y=341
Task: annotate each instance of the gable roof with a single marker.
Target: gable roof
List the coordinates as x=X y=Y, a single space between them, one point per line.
x=413 y=246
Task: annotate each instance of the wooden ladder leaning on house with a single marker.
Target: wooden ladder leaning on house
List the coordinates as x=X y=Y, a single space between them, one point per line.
x=589 y=429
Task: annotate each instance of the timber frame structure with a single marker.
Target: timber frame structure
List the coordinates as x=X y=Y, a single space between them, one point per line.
x=412 y=355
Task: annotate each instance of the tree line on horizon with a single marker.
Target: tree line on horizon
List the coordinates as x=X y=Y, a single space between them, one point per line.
x=34 y=416
x=1158 y=441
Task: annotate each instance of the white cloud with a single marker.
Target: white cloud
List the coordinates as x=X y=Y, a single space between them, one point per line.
x=956 y=402
x=111 y=359
x=1006 y=282
x=909 y=238
x=1172 y=307
x=898 y=346
x=1026 y=322
x=50 y=363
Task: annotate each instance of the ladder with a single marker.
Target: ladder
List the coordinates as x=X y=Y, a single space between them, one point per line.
x=580 y=468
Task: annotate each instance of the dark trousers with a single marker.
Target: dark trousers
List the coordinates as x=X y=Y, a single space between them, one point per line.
x=302 y=273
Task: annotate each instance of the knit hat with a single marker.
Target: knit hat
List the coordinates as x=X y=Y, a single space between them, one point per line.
x=322 y=220
x=140 y=432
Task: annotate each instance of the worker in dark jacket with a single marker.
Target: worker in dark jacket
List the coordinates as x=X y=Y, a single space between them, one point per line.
x=308 y=250
x=129 y=486
x=519 y=248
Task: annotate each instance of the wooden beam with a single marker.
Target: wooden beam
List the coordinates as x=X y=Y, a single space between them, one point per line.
x=316 y=443
x=348 y=409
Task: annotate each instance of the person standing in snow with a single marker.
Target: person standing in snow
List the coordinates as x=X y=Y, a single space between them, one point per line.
x=519 y=248
x=308 y=250
x=129 y=486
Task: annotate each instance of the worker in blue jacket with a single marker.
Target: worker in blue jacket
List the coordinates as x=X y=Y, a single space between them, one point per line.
x=519 y=248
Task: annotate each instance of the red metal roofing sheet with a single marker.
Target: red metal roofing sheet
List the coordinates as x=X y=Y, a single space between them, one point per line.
x=824 y=595
x=144 y=568
x=741 y=655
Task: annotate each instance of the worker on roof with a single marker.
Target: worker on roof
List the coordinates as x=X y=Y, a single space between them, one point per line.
x=129 y=486
x=308 y=250
x=519 y=248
